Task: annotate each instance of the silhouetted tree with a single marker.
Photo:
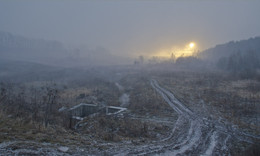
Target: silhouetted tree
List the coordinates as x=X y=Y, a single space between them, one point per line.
x=173 y=58
x=141 y=59
x=242 y=65
x=51 y=94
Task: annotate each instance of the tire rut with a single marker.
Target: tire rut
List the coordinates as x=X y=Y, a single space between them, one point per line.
x=191 y=134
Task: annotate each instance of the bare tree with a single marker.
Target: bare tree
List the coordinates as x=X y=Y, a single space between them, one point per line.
x=49 y=100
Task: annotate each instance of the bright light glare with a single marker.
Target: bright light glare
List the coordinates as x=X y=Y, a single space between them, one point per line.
x=191 y=45
x=186 y=51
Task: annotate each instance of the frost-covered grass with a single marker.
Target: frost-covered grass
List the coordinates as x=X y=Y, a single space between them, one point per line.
x=218 y=97
x=148 y=120
x=143 y=98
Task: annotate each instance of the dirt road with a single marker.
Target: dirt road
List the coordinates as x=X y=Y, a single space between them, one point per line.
x=192 y=134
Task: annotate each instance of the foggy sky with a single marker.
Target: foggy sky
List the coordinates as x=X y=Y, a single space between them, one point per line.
x=132 y=27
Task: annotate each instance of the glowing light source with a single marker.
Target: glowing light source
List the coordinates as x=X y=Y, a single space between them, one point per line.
x=188 y=50
x=191 y=45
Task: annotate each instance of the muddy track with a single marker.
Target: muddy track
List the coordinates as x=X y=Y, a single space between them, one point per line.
x=192 y=134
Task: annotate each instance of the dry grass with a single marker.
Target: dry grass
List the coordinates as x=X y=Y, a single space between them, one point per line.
x=111 y=128
x=218 y=95
x=13 y=129
x=242 y=88
x=143 y=98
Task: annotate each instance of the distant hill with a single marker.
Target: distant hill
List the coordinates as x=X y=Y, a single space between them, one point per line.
x=18 y=71
x=19 y=48
x=241 y=58
x=230 y=48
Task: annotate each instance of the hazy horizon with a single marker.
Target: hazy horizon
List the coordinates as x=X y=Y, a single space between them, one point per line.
x=132 y=28
x=129 y=77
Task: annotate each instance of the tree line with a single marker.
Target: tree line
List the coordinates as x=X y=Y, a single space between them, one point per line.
x=33 y=104
x=244 y=65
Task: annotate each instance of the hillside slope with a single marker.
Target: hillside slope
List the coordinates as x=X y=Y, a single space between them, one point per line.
x=230 y=48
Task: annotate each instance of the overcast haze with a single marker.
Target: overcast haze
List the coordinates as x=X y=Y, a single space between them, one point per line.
x=132 y=28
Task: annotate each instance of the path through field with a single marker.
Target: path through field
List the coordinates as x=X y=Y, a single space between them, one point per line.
x=192 y=134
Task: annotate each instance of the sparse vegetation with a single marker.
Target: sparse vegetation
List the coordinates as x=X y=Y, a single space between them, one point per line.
x=233 y=99
x=129 y=78
x=30 y=111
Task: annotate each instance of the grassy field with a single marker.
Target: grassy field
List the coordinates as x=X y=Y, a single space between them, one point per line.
x=219 y=95
x=212 y=95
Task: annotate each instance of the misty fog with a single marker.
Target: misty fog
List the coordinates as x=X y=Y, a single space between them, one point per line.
x=129 y=77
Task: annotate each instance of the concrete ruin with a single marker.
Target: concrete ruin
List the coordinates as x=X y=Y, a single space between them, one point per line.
x=112 y=110
x=82 y=110
x=79 y=112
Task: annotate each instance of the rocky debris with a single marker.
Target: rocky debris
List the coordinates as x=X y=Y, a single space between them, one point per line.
x=63 y=149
